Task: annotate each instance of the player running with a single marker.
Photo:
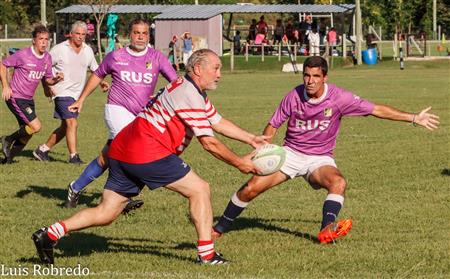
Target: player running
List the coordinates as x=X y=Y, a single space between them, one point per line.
x=134 y=71
x=313 y=112
x=31 y=65
x=146 y=153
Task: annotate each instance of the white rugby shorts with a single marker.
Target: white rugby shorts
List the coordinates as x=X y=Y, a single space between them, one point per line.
x=116 y=118
x=299 y=164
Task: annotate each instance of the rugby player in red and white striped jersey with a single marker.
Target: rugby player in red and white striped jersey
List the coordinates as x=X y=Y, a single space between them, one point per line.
x=146 y=153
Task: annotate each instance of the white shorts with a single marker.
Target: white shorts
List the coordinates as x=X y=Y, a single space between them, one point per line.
x=116 y=118
x=299 y=164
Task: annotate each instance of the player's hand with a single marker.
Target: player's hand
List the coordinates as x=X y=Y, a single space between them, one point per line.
x=246 y=165
x=7 y=93
x=427 y=120
x=58 y=77
x=104 y=86
x=49 y=92
x=75 y=107
x=258 y=141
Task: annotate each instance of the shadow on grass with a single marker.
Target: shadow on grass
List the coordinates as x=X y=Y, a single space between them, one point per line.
x=445 y=172
x=243 y=223
x=59 y=194
x=29 y=154
x=83 y=244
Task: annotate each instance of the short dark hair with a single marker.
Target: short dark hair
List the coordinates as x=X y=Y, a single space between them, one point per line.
x=136 y=21
x=316 y=62
x=39 y=29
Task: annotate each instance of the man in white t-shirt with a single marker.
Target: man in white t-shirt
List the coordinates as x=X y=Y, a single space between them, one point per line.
x=72 y=57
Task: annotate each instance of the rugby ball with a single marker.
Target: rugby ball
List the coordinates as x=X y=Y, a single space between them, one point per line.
x=269 y=158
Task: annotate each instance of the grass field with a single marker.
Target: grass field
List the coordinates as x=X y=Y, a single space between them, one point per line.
x=398 y=194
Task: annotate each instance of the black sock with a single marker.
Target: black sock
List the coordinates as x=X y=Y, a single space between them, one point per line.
x=21 y=133
x=19 y=145
x=331 y=207
x=233 y=210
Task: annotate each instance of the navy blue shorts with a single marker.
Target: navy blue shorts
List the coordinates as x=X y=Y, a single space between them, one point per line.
x=129 y=179
x=61 y=108
x=23 y=110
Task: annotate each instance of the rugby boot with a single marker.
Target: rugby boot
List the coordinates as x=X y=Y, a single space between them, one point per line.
x=6 y=148
x=76 y=160
x=217 y=259
x=132 y=205
x=44 y=245
x=72 y=197
x=335 y=230
x=41 y=155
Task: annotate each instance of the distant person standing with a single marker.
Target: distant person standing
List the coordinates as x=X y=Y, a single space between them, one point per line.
x=90 y=31
x=31 y=65
x=314 y=42
x=252 y=32
x=279 y=32
x=187 y=46
x=72 y=57
x=332 y=39
x=262 y=26
x=173 y=53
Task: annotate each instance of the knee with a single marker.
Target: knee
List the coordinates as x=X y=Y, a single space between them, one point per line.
x=248 y=193
x=71 y=123
x=201 y=191
x=337 y=185
x=35 y=128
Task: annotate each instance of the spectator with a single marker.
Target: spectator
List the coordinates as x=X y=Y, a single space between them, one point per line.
x=332 y=39
x=172 y=53
x=290 y=31
x=279 y=32
x=187 y=46
x=152 y=34
x=237 y=42
x=314 y=43
x=90 y=31
x=252 y=32
x=262 y=26
x=117 y=44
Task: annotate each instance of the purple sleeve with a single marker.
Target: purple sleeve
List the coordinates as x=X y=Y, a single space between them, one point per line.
x=166 y=68
x=104 y=68
x=283 y=111
x=352 y=105
x=48 y=70
x=11 y=61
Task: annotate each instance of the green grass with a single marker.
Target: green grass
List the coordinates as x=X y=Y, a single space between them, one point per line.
x=398 y=193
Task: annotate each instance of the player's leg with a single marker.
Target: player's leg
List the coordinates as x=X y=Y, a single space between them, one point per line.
x=93 y=170
x=197 y=191
x=331 y=179
x=105 y=213
x=41 y=152
x=71 y=139
x=26 y=117
x=116 y=117
x=239 y=200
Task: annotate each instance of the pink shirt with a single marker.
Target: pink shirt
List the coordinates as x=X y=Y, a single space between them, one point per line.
x=312 y=127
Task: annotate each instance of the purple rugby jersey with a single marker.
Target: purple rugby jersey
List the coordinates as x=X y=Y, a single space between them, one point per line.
x=312 y=128
x=134 y=77
x=29 y=69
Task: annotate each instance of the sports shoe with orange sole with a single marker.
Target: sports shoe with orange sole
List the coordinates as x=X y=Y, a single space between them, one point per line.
x=335 y=230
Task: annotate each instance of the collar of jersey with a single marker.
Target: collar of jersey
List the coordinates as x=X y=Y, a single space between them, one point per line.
x=316 y=101
x=67 y=43
x=188 y=78
x=35 y=54
x=137 y=54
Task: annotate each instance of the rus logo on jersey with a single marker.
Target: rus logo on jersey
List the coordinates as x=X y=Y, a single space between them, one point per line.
x=309 y=125
x=35 y=75
x=134 y=77
x=148 y=65
x=328 y=112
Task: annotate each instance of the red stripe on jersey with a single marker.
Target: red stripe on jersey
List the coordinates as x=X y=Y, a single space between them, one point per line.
x=195 y=118
x=190 y=110
x=200 y=127
x=210 y=109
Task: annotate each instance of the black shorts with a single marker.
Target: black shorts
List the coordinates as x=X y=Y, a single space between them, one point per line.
x=23 y=110
x=129 y=179
x=61 y=108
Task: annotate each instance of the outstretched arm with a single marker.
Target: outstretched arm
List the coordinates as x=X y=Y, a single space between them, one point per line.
x=222 y=152
x=425 y=119
x=270 y=132
x=231 y=130
x=90 y=86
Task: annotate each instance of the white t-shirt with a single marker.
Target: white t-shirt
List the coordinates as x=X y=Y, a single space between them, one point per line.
x=74 y=66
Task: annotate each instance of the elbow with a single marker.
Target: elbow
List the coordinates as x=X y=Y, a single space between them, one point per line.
x=208 y=143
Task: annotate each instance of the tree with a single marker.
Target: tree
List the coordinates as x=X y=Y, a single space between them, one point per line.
x=100 y=8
